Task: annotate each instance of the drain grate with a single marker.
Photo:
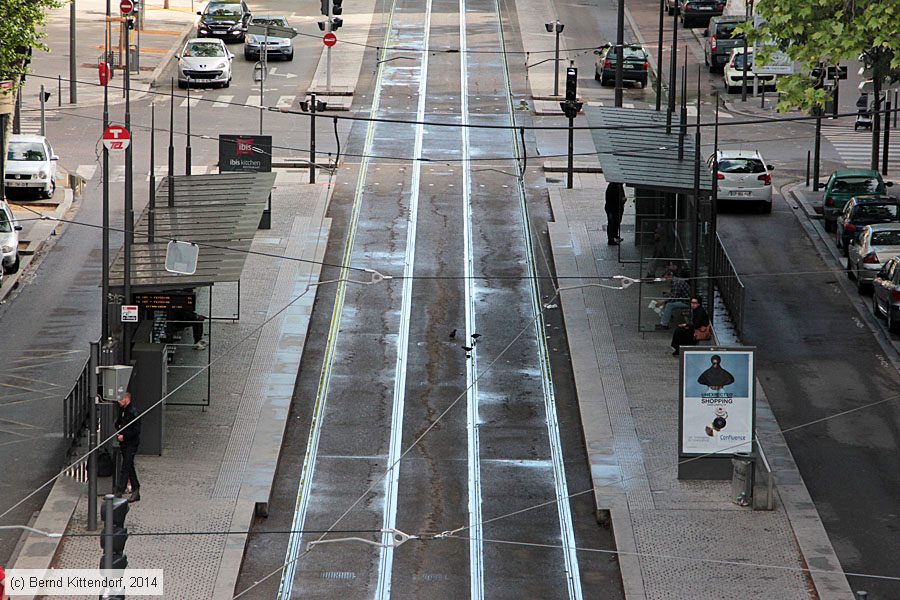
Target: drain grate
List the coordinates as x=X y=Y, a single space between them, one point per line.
x=338 y=575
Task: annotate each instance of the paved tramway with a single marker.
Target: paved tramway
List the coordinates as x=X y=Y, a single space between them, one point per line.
x=396 y=359
x=855 y=147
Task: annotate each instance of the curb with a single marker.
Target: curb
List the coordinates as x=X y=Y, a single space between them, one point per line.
x=167 y=57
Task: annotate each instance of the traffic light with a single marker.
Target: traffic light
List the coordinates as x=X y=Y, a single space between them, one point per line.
x=324 y=10
x=336 y=7
x=336 y=23
x=119 y=536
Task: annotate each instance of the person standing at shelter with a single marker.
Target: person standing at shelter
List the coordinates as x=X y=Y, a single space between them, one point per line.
x=129 y=441
x=614 y=207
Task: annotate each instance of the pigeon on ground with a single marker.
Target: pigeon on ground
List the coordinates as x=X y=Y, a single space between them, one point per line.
x=453 y=334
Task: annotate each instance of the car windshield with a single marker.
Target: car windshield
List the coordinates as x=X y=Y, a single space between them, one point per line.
x=630 y=52
x=223 y=10
x=725 y=31
x=739 y=61
x=5 y=225
x=204 y=50
x=26 y=151
x=855 y=185
x=886 y=238
x=886 y=212
x=278 y=21
x=741 y=165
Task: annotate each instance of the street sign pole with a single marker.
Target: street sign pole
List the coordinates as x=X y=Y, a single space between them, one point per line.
x=73 y=91
x=328 y=50
x=104 y=285
x=129 y=199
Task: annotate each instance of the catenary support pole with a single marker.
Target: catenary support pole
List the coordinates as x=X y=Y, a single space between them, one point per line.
x=876 y=115
x=659 y=55
x=151 y=188
x=171 y=169
x=570 y=167
x=620 y=51
x=557 y=30
x=887 y=137
x=817 y=148
x=187 y=138
x=104 y=280
x=43 y=99
x=108 y=531
x=673 y=68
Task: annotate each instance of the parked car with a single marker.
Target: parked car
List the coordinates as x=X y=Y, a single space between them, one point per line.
x=9 y=240
x=699 y=12
x=721 y=39
x=743 y=175
x=886 y=294
x=30 y=166
x=865 y=257
x=635 y=67
x=733 y=72
x=843 y=185
x=861 y=211
x=225 y=19
x=204 y=62
x=281 y=47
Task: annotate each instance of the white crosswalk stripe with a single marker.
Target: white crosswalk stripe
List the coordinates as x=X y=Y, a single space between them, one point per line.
x=86 y=172
x=223 y=101
x=194 y=101
x=252 y=101
x=285 y=101
x=855 y=147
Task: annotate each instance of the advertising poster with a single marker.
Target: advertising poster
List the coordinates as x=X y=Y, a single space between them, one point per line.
x=717 y=401
x=247 y=153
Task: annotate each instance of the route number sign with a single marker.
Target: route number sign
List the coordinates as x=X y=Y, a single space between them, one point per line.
x=129 y=313
x=126 y=6
x=329 y=39
x=116 y=137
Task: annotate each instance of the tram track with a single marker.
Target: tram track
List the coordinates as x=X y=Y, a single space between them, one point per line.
x=387 y=356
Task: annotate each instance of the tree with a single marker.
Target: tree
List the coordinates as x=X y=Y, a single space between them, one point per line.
x=21 y=30
x=825 y=32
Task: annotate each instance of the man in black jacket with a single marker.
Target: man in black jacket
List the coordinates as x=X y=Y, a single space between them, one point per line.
x=614 y=207
x=129 y=440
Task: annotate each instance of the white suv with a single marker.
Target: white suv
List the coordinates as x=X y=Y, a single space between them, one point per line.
x=743 y=175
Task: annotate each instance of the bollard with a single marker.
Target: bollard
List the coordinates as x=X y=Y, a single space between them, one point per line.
x=807 y=167
x=59 y=91
x=862 y=595
x=742 y=464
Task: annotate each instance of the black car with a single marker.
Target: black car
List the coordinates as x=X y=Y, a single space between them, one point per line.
x=861 y=211
x=226 y=19
x=699 y=12
x=636 y=66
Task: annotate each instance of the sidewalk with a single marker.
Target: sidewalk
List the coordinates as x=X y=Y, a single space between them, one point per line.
x=219 y=461
x=165 y=30
x=672 y=533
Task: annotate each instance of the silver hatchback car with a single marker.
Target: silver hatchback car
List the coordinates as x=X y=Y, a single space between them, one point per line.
x=9 y=239
x=865 y=257
x=886 y=294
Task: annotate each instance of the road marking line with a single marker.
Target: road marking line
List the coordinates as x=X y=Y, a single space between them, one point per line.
x=194 y=101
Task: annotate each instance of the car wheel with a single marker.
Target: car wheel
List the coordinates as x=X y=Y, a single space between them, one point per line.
x=13 y=268
x=49 y=193
x=765 y=208
x=893 y=325
x=290 y=57
x=875 y=311
x=830 y=225
x=603 y=80
x=861 y=288
x=227 y=83
x=670 y=11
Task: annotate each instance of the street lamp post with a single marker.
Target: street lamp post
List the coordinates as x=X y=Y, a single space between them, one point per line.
x=673 y=67
x=104 y=286
x=73 y=91
x=129 y=199
x=557 y=28
x=312 y=106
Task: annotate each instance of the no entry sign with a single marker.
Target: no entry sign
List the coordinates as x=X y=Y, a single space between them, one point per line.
x=116 y=137
x=126 y=6
x=329 y=39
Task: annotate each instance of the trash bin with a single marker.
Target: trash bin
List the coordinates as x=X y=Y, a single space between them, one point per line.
x=742 y=478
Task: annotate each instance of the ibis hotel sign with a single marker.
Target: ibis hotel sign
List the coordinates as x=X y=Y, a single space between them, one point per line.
x=245 y=153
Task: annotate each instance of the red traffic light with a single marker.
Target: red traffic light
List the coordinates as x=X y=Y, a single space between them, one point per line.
x=105 y=72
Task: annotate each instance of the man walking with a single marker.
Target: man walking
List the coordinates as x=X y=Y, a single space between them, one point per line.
x=129 y=440
x=614 y=207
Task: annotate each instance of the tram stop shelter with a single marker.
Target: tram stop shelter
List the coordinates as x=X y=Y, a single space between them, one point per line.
x=675 y=205
x=219 y=212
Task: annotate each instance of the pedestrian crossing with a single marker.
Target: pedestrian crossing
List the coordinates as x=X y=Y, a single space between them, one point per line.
x=855 y=147
x=219 y=101
x=117 y=172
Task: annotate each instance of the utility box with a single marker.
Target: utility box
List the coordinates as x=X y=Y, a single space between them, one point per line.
x=149 y=387
x=115 y=381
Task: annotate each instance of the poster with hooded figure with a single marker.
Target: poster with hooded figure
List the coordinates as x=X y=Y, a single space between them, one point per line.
x=717 y=401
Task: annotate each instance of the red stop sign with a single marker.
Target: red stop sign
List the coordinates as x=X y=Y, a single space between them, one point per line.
x=126 y=6
x=329 y=39
x=116 y=137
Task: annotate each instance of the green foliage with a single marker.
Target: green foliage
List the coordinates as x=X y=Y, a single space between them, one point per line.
x=20 y=29
x=827 y=31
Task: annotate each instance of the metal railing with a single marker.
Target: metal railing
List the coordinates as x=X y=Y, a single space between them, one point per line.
x=77 y=406
x=730 y=287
